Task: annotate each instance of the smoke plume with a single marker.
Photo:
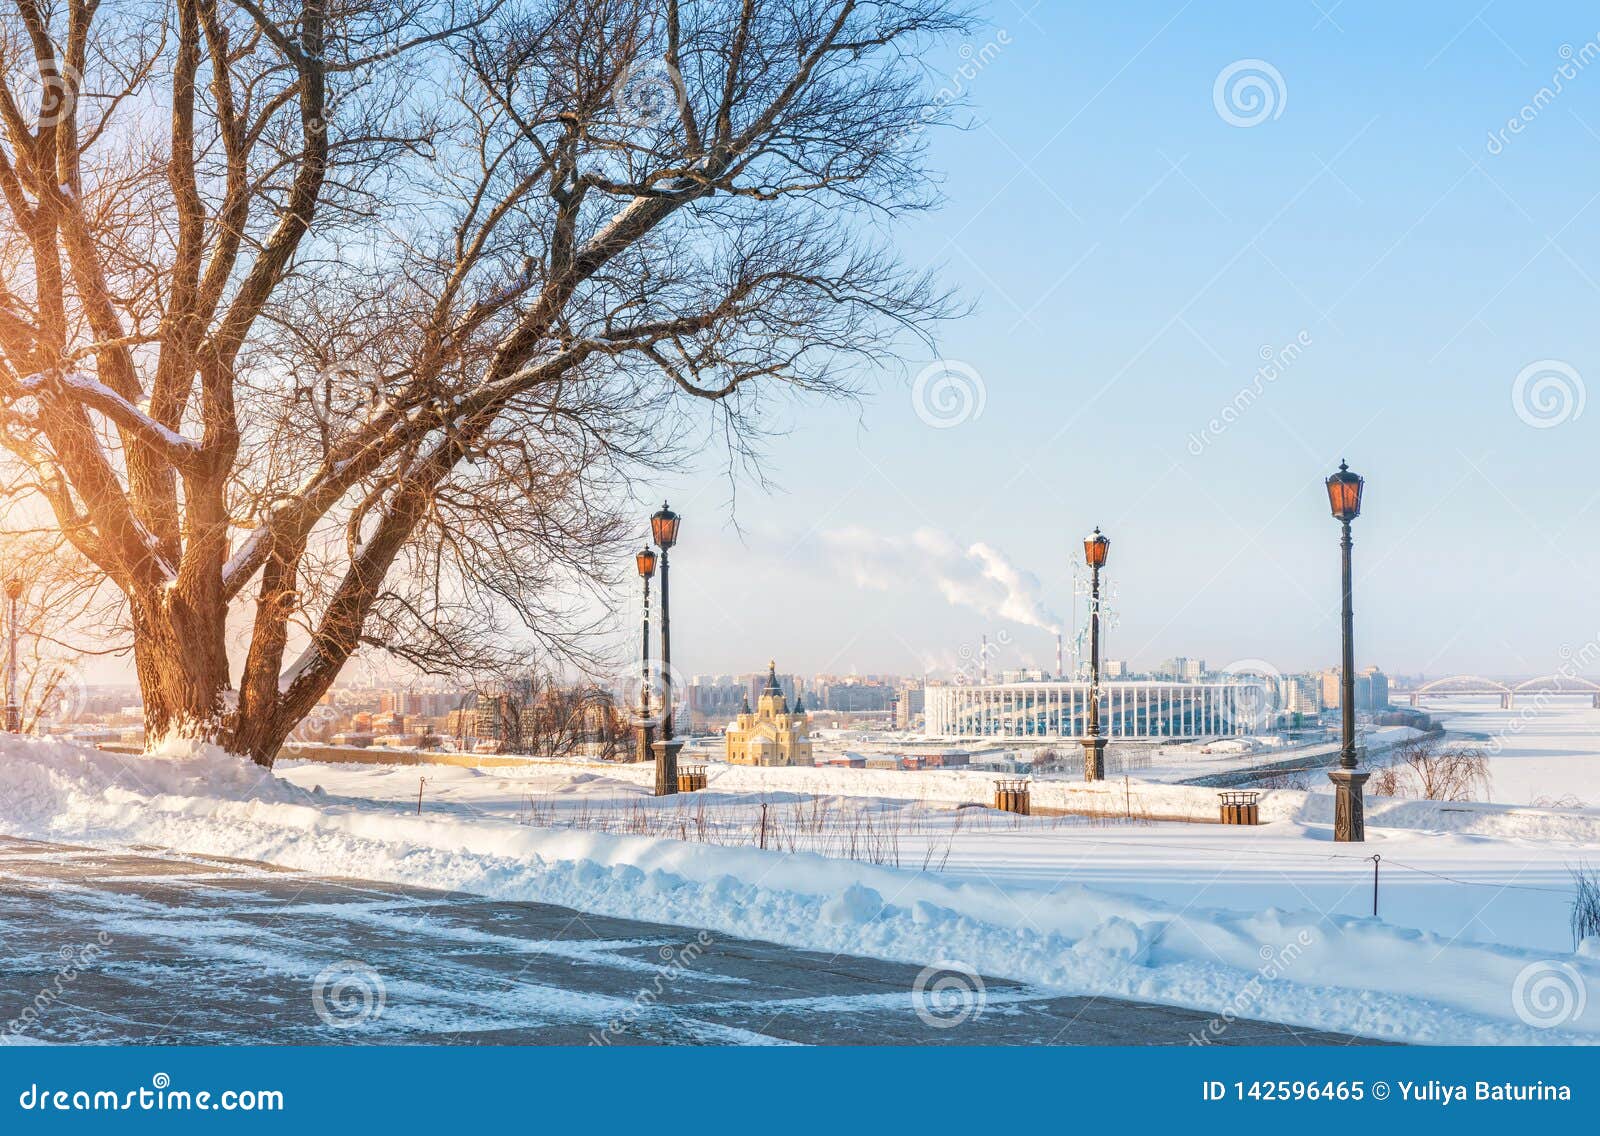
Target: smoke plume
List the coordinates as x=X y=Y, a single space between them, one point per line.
x=977 y=576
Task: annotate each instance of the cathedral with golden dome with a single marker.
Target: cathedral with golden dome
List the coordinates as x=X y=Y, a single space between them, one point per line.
x=774 y=734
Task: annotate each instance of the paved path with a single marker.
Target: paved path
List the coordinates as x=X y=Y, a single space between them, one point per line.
x=144 y=946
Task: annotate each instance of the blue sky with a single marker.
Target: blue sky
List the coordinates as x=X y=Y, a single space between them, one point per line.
x=1131 y=252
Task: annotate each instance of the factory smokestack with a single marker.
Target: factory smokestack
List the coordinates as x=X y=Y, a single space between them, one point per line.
x=983 y=658
x=1060 y=658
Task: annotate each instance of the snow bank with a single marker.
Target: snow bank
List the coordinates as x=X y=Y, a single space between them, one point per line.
x=1333 y=972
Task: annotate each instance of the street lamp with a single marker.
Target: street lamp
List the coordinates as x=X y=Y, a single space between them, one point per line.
x=13 y=711
x=646 y=560
x=664 y=529
x=1095 y=548
x=1349 y=822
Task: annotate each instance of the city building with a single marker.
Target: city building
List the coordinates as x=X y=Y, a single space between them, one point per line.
x=1300 y=694
x=910 y=703
x=858 y=697
x=1128 y=709
x=1376 y=684
x=1372 y=689
x=424 y=703
x=773 y=734
x=713 y=698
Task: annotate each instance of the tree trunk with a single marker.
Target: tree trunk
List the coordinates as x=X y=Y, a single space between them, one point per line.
x=258 y=737
x=182 y=665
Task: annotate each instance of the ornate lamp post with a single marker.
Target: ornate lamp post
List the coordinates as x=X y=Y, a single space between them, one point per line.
x=1349 y=820
x=13 y=711
x=664 y=529
x=1095 y=548
x=646 y=560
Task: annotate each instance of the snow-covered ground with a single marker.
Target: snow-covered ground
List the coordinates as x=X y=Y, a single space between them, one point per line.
x=1268 y=922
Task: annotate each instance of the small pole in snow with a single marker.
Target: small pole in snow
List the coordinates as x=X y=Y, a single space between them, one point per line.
x=1127 y=796
x=763 y=836
x=1375 y=858
x=420 y=784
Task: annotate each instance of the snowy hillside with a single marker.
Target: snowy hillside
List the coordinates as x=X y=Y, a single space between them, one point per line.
x=1261 y=922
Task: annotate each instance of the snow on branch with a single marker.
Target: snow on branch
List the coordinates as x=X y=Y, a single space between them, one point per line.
x=178 y=449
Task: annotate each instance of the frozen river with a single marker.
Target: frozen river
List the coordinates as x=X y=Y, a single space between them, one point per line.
x=1545 y=751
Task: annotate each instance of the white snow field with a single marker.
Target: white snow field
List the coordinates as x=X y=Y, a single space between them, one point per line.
x=1271 y=922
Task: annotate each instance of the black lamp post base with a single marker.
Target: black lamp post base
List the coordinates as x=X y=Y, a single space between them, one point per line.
x=1349 y=810
x=643 y=751
x=666 y=751
x=13 y=720
x=1094 y=759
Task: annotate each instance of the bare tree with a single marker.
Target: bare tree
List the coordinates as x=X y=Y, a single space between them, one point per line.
x=356 y=317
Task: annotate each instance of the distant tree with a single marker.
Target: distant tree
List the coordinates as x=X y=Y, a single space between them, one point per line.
x=560 y=719
x=59 y=596
x=352 y=320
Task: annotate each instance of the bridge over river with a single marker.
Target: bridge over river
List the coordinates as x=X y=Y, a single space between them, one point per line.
x=1476 y=686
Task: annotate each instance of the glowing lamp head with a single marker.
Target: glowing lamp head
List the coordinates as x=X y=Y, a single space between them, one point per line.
x=664 y=526
x=1095 y=547
x=646 y=559
x=14 y=587
x=1344 y=494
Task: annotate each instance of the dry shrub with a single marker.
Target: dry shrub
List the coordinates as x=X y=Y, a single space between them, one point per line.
x=869 y=831
x=1585 y=903
x=1564 y=801
x=1433 y=771
x=1385 y=781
